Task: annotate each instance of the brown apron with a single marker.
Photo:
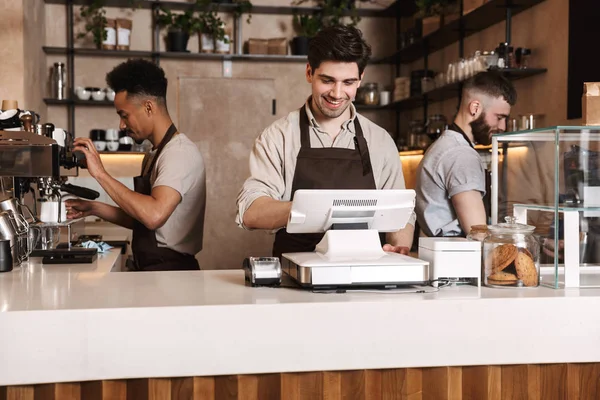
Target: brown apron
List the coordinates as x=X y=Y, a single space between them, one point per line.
x=325 y=168
x=147 y=255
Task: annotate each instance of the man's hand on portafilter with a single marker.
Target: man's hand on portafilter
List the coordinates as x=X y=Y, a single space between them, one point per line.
x=396 y=249
x=78 y=208
x=92 y=158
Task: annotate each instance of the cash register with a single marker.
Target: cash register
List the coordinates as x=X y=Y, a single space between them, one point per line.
x=350 y=253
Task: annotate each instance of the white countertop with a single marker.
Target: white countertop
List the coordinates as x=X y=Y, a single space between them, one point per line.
x=83 y=322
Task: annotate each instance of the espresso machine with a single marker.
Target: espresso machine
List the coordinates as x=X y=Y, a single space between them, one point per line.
x=38 y=165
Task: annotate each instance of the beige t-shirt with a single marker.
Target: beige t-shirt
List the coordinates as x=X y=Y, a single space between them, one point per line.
x=180 y=166
x=273 y=158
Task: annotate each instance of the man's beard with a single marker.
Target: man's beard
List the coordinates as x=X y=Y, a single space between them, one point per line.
x=481 y=130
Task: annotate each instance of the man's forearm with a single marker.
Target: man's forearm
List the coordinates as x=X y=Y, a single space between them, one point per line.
x=138 y=206
x=403 y=237
x=112 y=214
x=267 y=213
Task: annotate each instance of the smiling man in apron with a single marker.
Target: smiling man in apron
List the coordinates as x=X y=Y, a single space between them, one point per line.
x=166 y=210
x=325 y=144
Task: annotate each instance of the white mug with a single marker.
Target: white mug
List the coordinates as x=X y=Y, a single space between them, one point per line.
x=112 y=134
x=49 y=211
x=59 y=135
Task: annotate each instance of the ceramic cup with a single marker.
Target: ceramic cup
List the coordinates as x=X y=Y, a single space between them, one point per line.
x=110 y=94
x=112 y=145
x=98 y=94
x=59 y=135
x=82 y=93
x=49 y=211
x=100 y=145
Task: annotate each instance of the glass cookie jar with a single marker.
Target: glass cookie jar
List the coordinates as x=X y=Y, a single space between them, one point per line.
x=511 y=256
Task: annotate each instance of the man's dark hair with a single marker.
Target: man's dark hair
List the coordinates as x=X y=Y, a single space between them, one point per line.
x=339 y=43
x=493 y=84
x=139 y=78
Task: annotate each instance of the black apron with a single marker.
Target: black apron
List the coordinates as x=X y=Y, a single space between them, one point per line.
x=147 y=255
x=325 y=168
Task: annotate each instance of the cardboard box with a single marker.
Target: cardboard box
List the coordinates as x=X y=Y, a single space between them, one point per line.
x=258 y=46
x=590 y=103
x=277 y=46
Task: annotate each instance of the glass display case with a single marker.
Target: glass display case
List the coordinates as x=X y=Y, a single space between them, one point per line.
x=550 y=178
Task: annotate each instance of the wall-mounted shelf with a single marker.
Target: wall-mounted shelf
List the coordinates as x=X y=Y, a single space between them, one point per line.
x=490 y=13
x=232 y=7
x=97 y=52
x=173 y=55
x=77 y=102
x=448 y=91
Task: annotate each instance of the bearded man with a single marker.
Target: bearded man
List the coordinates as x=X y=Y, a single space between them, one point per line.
x=451 y=176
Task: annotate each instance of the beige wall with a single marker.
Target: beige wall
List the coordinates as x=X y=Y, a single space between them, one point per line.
x=11 y=52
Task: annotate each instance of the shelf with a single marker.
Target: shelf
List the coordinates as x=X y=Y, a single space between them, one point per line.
x=231 y=7
x=176 y=55
x=561 y=207
x=97 y=52
x=451 y=91
x=477 y=20
x=77 y=102
x=240 y=57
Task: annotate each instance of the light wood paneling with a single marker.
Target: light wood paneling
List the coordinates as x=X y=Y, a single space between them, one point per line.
x=16 y=393
x=510 y=382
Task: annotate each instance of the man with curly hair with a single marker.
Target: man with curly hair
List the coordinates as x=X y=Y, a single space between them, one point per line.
x=166 y=210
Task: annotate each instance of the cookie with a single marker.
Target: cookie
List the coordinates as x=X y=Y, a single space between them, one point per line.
x=501 y=257
x=524 y=250
x=502 y=278
x=526 y=271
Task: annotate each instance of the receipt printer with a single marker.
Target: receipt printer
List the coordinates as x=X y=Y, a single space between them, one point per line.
x=262 y=271
x=452 y=258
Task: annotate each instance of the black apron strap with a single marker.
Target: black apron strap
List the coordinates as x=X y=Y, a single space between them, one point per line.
x=166 y=139
x=458 y=129
x=361 y=145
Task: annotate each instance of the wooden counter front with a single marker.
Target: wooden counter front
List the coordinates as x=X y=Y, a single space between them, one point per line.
x=532 y=382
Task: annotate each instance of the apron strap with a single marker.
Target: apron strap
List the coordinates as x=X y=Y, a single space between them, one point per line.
x=458 y=129
x=166 y=139
x=360 y=143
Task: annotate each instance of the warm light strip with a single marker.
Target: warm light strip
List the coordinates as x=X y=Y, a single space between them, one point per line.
x=411 y=153
x=138 y=157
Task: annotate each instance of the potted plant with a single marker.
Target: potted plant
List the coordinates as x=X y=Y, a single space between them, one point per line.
x=179 y=27
x=94 y=16
x=213 y=37
x=306 y=27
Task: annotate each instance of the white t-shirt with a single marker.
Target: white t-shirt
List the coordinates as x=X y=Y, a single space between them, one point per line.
x=180 y=166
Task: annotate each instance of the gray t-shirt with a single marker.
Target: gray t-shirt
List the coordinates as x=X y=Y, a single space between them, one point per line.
x=450 y=166
x=180 y=166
